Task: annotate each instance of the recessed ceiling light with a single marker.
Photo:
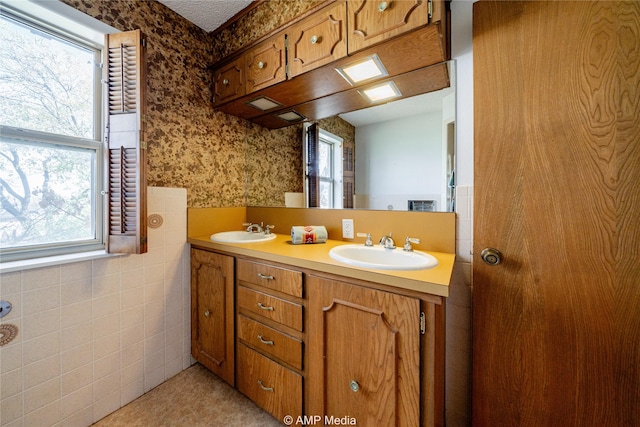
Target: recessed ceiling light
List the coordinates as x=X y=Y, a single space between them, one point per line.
x=367 y=69
x=291 y=116
x=263 y=103
x=381 y=92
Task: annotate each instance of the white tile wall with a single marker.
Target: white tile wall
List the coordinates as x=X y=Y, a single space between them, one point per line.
x=95 y=335
x=458 y=335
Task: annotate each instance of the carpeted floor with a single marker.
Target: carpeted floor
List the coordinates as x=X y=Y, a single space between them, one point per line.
x=195 y=397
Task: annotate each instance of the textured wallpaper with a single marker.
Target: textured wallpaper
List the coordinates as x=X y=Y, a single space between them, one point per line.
x=216 y=157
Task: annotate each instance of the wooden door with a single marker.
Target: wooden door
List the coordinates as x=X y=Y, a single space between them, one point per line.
x=364 y=357
x=228 y=81
x=266 y=64
x=318 y=39
x=374 y=21
x=556 y=325
x=212 y=313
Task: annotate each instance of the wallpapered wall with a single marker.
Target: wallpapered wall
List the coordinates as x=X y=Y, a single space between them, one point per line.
x=190 y=145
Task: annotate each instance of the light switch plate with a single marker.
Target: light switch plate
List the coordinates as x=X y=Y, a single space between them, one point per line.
x=347 y=229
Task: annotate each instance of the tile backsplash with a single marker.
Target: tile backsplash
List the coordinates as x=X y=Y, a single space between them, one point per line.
x=95 y=335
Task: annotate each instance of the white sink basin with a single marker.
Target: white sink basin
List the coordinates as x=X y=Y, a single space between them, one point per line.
x=241 y=237
x=381 y=258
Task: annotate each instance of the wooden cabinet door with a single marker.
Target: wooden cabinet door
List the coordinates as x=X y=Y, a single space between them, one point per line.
x=364 y=354
x=318 y=39
x=212 y=313
x=265 y=64
x=556 y=324
x=229 y=81
x=372 y=22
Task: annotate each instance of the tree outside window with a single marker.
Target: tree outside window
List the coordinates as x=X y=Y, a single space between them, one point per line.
x=49 y=141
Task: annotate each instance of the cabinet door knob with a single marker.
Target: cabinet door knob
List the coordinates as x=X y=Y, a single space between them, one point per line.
x=491 y=256
x=265 y=307
x=354 y=386
x=263 y=341
x=225 y=82
x=315 y=39
x=207 y=313
x=263 y=387
x=382 y=6
x=261 y=65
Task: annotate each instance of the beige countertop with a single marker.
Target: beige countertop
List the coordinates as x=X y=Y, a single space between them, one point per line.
x=433 y=281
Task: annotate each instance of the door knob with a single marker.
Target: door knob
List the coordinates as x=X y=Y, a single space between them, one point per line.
x=491 y=256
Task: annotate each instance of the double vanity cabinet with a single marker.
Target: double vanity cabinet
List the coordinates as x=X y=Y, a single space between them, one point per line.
x=306 y=338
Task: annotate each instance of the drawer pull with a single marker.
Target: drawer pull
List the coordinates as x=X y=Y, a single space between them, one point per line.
x=354 y=386
x=261 y=65
x=207 y=313
x=266 y=276
x=265 y=388
x=263 y=341
x=382 y=6
x=265 y=307
x=315 y=39
x=225 y=82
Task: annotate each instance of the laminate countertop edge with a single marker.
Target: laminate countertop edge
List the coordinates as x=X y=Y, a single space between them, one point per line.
x=316 y=257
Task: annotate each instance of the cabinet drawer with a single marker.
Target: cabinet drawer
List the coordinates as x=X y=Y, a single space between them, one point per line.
x=282 y=311
x=266 y=64
x=268 y=276
x=318 y=40
x=275 y=343
x=229 y=81
x=271 y=386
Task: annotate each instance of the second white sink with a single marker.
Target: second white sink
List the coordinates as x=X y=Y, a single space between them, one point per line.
x=381 y=258
x=241 y=237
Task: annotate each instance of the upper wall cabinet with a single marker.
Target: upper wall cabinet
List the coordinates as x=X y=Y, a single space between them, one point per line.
x=318 y=39
x=292 y=74
x=266 y=63
x=373 y=21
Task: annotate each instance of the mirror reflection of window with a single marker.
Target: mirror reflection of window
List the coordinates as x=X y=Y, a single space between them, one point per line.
x=323 y=168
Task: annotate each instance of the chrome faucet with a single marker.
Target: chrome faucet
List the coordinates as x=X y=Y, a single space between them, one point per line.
x=253 y=228
x=268 y=228
x=387 y=242
x=408 y=241
x=367 y=242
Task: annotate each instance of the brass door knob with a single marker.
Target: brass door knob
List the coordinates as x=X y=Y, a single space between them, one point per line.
x=491 y=256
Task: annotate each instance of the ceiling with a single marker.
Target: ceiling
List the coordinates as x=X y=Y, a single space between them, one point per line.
x=206 y=14
x=416 y=105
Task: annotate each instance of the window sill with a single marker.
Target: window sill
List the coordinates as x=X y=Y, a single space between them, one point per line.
x=27 y=264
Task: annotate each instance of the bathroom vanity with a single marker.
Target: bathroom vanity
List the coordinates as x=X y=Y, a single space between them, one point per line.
x=302 y=334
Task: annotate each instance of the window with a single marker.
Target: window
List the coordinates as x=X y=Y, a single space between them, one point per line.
x=55 y=170
x=50 y=142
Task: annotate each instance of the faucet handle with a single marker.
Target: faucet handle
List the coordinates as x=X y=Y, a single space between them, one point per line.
x=367 y=242
x=268 y=228
x=408 y=241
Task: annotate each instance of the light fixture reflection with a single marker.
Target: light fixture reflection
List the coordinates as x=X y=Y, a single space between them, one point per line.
x=381 y=92
x=291 y=116
x=364 y=70
x=263 y=103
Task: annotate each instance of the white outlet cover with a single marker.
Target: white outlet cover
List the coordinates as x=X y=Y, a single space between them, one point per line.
x=347 y=229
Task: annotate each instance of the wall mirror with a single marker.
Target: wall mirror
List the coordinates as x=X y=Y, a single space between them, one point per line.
x=404 y=153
